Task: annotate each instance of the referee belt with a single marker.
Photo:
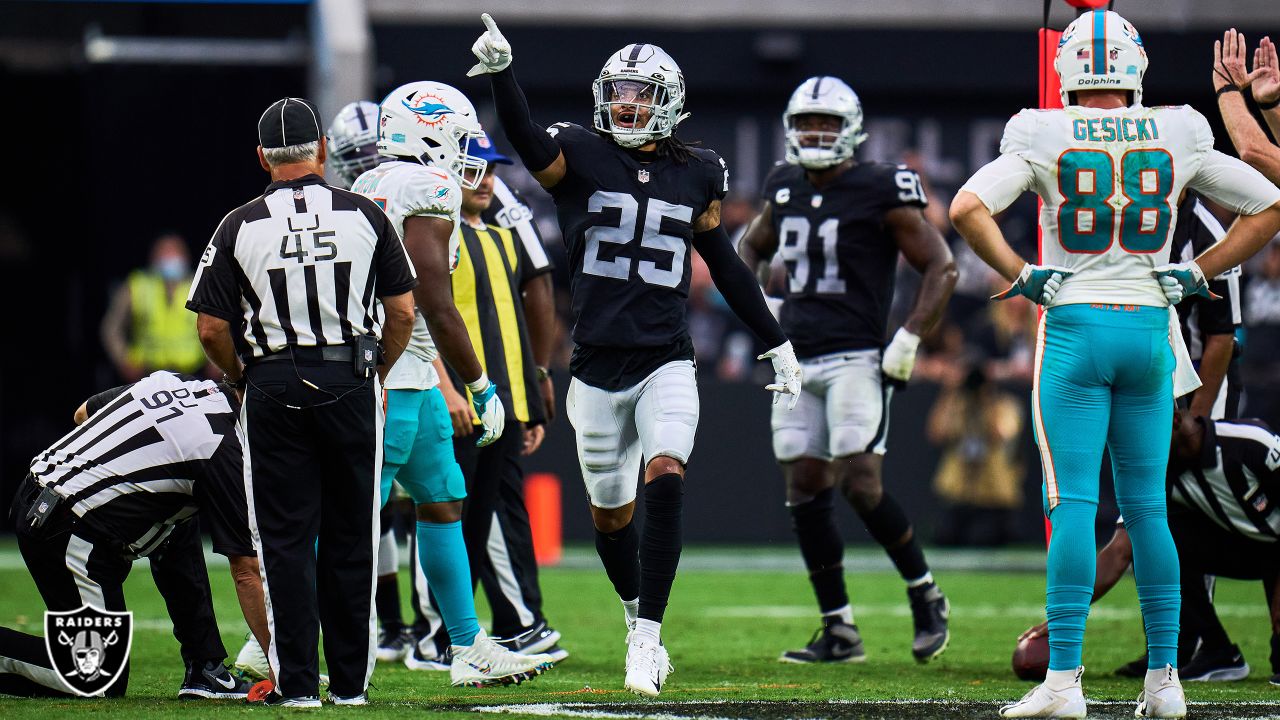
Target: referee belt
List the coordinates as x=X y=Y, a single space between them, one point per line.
x=329 y=353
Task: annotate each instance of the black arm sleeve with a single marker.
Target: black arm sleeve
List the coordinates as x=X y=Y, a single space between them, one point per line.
x=738 y=285
x=99 y=401
x=531 y=142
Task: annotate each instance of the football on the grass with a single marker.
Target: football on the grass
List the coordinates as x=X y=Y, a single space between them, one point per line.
x=1031 y=658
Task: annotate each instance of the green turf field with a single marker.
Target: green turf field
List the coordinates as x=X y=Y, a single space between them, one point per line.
x=724 y=629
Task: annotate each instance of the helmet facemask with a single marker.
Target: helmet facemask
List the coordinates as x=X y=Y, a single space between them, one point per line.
x=468 y=168
x=818 y=149
x=351 y=159
x=637 y=110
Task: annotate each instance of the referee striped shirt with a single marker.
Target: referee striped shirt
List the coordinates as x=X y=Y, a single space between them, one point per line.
x=301 y=266
x=1236 y=480
x=129 y=472
x=493 y=267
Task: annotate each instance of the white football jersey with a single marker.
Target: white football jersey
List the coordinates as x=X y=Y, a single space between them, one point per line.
x=1110 y=180
x=402 y=190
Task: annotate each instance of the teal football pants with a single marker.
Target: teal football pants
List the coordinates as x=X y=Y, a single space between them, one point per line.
x=418 y=452
x=1104 y=377
x=418 y=448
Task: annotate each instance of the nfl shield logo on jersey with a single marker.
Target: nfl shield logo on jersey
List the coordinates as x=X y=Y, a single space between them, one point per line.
x=643 y=175
x=88 y=647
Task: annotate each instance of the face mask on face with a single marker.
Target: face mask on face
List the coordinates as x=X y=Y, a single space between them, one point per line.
x=171 y=268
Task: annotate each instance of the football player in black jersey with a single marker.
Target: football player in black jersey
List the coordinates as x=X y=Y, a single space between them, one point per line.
x=632 y=201
x=839 y=225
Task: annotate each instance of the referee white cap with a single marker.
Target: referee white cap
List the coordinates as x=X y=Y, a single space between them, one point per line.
x=289 y=121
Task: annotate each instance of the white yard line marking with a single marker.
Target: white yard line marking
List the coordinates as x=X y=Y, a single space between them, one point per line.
x=589 y=711
x=966 y=611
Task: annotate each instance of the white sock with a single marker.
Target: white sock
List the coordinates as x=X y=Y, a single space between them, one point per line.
x=647 y=630
x=844 y=613
x=924 y=579
x=1156 y=677
x=632 y=610
x=1062 y=679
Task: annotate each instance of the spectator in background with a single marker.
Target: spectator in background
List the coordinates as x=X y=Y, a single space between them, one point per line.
x=1006 y=338
x=1262 y=344
x=980 y=475
x=147 y=326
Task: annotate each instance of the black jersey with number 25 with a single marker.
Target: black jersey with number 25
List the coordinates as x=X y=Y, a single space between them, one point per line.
x=628 y=228
x=840 y=257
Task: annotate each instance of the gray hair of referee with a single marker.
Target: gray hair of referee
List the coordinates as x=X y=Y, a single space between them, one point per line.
x=292 y=161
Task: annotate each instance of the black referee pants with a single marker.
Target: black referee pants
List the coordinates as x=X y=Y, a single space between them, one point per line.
x=1205 y=548
x=311 y=460
x=182 y=578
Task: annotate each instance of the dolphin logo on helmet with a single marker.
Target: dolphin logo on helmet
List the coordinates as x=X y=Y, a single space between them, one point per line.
x=434 y=124
x=427 y=109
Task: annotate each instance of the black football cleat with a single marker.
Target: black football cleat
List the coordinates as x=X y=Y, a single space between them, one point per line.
x=211 y=681
x=1224 y=665
x=930 y=610
x=541 y=638
x=834 y=642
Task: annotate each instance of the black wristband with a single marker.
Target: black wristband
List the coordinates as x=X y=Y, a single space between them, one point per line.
x=1269 y=106
x=235 y=385
x=1226 y=89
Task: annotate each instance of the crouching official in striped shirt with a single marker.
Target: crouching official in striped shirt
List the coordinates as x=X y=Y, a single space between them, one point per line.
x=288 y=286
x=127 y=483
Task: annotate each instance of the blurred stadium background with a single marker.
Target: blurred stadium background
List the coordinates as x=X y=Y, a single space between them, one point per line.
x=126 y=120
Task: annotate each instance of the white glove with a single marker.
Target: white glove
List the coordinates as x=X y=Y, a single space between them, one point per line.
x=1183 y=280
x=491 y=49
x=488 y=407
x=900 y=356
x=786 y=368
x=1037 y=283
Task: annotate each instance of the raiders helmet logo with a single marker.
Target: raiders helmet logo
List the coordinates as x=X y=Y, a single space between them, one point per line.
x=88 y=647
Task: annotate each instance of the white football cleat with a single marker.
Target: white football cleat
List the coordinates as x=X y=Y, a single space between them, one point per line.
x=1162 y=695
x=252 y=661
x=485 y=663
x=1064 y=700
x=648 y=666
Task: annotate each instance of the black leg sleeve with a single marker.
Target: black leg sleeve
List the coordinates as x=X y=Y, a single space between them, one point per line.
x=660 y=543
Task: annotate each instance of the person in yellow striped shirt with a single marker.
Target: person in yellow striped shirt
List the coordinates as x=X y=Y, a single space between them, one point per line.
x=502 y=287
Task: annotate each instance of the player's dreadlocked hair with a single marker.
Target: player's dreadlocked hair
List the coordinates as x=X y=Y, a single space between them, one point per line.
x=676 y=149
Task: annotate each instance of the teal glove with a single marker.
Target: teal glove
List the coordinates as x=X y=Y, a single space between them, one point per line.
x=1037 y=283
x=1183 y=280
x=488 y=407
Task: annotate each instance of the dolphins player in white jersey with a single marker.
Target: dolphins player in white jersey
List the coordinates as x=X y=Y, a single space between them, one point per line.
x=423 y=132
x=1109 y=355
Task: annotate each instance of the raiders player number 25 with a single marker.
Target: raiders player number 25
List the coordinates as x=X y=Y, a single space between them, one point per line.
x=633 y=202
x=839 y=225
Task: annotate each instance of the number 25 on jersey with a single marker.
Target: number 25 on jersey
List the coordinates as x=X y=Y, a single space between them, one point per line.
x=1087 y=216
